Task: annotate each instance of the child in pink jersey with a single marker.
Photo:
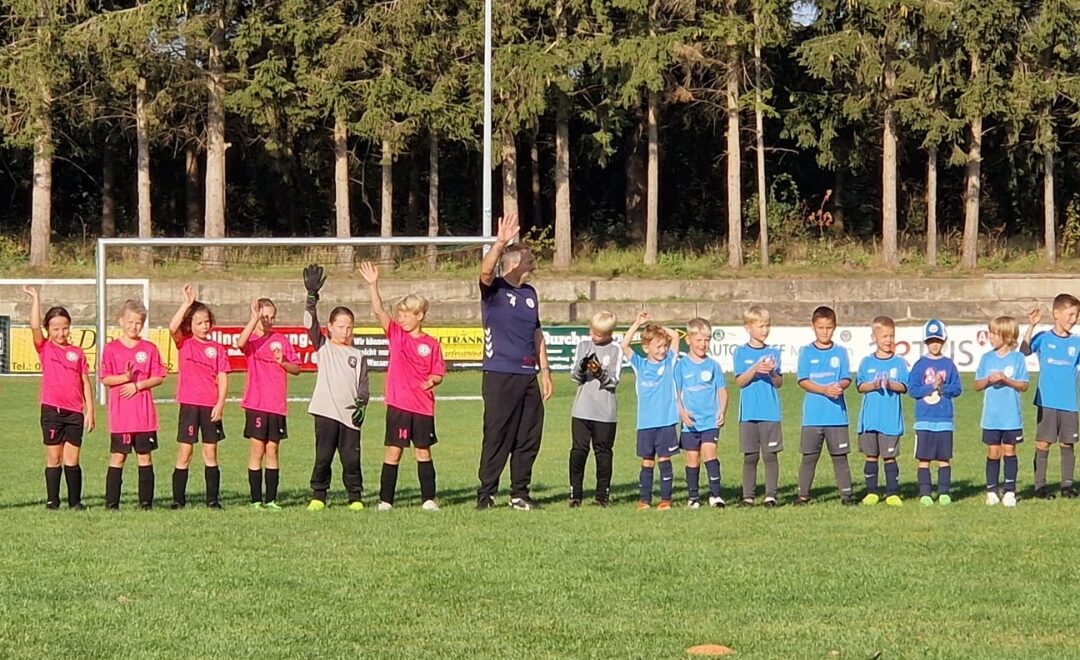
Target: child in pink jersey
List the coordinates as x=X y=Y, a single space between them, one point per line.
x=269 y=358
x=67 y=400
x=416 y=367
x=131 y=367
x=200 y=391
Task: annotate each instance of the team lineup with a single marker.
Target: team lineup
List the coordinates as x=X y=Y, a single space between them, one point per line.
x=682 y=400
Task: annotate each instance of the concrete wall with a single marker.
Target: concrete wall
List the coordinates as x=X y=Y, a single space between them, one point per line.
x=456 y=302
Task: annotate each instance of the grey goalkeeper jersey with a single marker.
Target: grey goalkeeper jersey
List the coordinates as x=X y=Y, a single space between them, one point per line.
x=595 y=398
x=342 y=377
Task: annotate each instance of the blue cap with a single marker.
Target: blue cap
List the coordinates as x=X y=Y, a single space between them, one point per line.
x=934 y=329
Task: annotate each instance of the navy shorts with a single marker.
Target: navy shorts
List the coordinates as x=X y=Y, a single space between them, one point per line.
x=999 y=437
x=658 y=441
x=195 y=421
x=124 y=443
x=264 y=426
x=404 y=428
x=933 y=445
x=59 y=426
x=692 y=440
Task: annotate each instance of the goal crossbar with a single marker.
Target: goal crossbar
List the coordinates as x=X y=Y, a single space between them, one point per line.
x=103 y=245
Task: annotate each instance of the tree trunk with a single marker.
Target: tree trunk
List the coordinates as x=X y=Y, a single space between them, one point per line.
x=734 y=166
x=635 y=180
x=888 y=178
x=41 y=197
x=973 y=184
x=192 y=189
x=562 y=186
x=759 y=135
x=214 y=225
x=433 y=198
x=108 y=190
x=509 y=174
x=1049 y=210
x=342 y=216
x=839 y=187
x=142 y=160
x=412 y=222
x=652 y=191
x=537 y=200
x=386 y=218
x=931 y=205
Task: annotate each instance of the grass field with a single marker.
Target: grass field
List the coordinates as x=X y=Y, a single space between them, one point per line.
x=815 y=582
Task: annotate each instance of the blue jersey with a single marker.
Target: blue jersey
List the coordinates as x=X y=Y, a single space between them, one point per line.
x=1001 y=403
x=1058 y=359
x=511 y=317
x=655 y=383
x=934 y=406
x=882 y=411
x=699 y=385
x=759 y=401
x=824 y=366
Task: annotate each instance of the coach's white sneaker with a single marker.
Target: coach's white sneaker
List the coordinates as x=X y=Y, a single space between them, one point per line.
x=717 y=502
x=429 y=505
x=384 y=506
x=1010 y=500
x=992 y=499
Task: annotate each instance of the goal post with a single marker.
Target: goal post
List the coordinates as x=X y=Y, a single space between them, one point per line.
x=104 y=244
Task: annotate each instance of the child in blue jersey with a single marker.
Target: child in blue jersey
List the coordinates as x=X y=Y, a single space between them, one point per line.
x=1055 y=397
x=701 y=388
x=825 y=373
x=757 y=369
x=934 y=383
x=882 y=379
x=657 y=412
x=1002 y=374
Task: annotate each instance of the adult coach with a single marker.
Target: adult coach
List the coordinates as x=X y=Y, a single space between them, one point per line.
x=514 y=350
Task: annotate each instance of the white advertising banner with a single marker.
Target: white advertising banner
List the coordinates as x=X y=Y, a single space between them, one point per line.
x=965 y=345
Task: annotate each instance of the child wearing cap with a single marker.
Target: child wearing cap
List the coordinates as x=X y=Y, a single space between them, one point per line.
x=934 y=382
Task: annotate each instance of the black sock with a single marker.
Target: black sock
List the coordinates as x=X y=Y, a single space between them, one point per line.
x=273 y=476
x=73 y=477
x=179 y=486
x=426 y=471
x=213 y=484
x=146 y=486
x=255 y=479
x=52 y=486
x=388 y=483
x=114 y=479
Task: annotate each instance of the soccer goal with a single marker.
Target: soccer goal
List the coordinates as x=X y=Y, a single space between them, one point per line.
x=229 y=272
x=76 y=294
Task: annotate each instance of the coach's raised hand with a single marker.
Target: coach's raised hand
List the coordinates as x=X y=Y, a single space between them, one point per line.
x=508 y=229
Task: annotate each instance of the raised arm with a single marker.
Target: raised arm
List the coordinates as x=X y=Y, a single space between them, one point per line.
x=1034 y=316
x=314 y=278
x=673 y=334
x=370 y=272
x=245 y=334
x=508 y=230
x=628 y=337
x=178 y=318
x=35 y=315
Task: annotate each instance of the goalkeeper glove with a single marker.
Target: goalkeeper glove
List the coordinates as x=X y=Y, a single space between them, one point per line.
x=314 y=278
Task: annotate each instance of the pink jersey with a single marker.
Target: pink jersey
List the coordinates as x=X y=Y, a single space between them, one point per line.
x=412 y=361
x=265 y=390
x=137 y=414
x=200 y=363
x=62 y=369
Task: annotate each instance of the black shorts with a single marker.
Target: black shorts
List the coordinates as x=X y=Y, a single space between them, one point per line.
x=59 y=426
x=404 y=428
x=195 y=421
x=142 y=443
x=265 y=426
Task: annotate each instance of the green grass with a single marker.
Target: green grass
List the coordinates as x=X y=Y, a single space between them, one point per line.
x=965 y=581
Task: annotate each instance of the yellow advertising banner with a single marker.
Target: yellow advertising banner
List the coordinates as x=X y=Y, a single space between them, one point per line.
x=24 y=358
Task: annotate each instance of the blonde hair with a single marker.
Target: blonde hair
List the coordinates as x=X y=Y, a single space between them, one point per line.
x=603 y=323
x=756 y=314
x=653 y=331
x=1007 y=328
x=883 y=322
x=698 y=326
x=412 y=303
x=133 y=306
